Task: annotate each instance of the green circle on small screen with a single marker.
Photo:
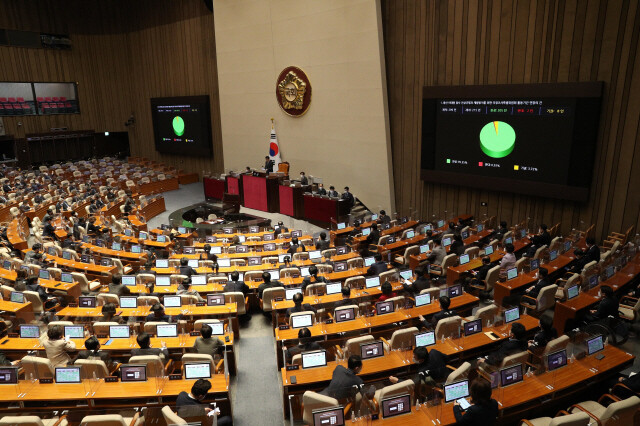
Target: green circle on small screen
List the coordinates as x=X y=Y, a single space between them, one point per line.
x=497 y=139
x=178 y=125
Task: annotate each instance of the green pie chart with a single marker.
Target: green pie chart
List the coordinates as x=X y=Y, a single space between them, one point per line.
x=497 y=139
x=178 y=125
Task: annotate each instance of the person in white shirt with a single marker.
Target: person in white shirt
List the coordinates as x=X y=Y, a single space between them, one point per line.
x=508 y=260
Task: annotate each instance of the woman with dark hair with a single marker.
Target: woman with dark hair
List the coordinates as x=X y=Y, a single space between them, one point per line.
x=484 y=409
x=57 y=348
x=545 y=335
x=387 y=292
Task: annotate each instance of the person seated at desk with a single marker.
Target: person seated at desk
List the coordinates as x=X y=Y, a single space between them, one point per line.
x=431 y=365
x=536 y=243
x=484 y=409
x=438 y=252
x=481 y=273
x=542 y=282
x=190 y=404
x=445 y=312
x=48 y=230
x=129 y=205
x=322 y=243
x=457 y=246
x=116 y=286
x=383 y=217
x=148 y=268
x=305 y=344
x=499 y=234
x=57 y=348
x=373 y=237
x=268 y=164
x=378 y=267
x=343 y=379
x=303 y=179
x=593 y=252
x=580 y=262
x=183 y=288
x=387 y=292
x=544 y=235
x=93 y=352
x=109 y=314
x=32 y=285
x=185 y=269
x=144 y=341
x=296 y=246
x=92 y=228
x=312 y=278
x=62 y=206
x=48 y=216
x=205 y=344
x=321 y=190
x=266 y=277
x=332 y=192
x=298 y=306
x=453 y=229
x=158 y=314
x=280 y=229
x=348 y=196
x=545 y=335
x=516 y=343
x=509 y=259
x=608 y=306
x=21 y=280
x=346 y=298
x=207 y=255
x=235 y=285
x=34 y=255
x=420 y=283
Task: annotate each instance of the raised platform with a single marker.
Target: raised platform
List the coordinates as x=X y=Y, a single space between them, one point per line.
x=227 y=216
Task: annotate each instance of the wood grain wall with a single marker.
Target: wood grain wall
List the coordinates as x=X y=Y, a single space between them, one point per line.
x=465 y=42
x=124 y=53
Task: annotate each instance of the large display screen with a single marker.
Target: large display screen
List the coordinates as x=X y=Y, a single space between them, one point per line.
x=182 y=125
x=536 y=139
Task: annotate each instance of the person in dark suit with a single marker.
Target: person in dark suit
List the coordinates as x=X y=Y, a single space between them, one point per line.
x=304 y=344
x=445 y=312
x=207 y=255
x=378 y=267
x=296 y=246
x=344 y=379
x=109 y=314
x=304 y=180
x=346 y=195
x=383 y=217
x=542 y=282
x=346 y=298
x=322 y=243
x=48 y=230
x=545 y=236
x=457 y=246
x=185 y=269
x=321 y=190
x=268 y=164
x=116 y=286
x=144 y=341
x=332 y=192
x=93 y=351
x=235 y=285
x=266 y=277
x=62 y=205
x=280 y=229
x=373 y=236
x=431 y=366
x=312 y=278
x=482 y=272
x=580 y=262
x=516 y=343
x=545 y=335
x=536 y=243
x=484 y=409
x=607 y=307
x=593 y=251
x=298 y=306
x=420 y=283
x=158 y=314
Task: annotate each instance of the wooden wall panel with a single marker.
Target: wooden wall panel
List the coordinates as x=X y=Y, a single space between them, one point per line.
x=518 y=41
x=123 y=54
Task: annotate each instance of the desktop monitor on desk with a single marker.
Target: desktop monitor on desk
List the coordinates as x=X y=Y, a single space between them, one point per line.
x=8 y=375
x=407 y=274
x=512 y=273
x=128 y=302
x=189 y=250
x=129 y=280
x=454 y=290
x=193 y=263
x=290 y=292
x=254 y=260
x=282 y=257
x=422 y=299
x=7 y=263
x=424 y=248
x=464 y=259
x=523 y=233
x=440 y=223
x=396 y=405
x=198 y=279
x=161 y=239
x=595 y=344
x=593 y=281
x=29 y=331
x=133 y=373
x=368 y=261
x=372 y=282
x=464 y=235
x=511 y=375
x=182 y=230
x=172 y=301
x=163 y=281
x=66 y=277
x=556 y=360
x=167 y=330
x=472 y=327
x=66 y=255
x=142 y=235
x=426 y=338
x=553 y=255
x=296 y=234
x=314 y=359
x=488 y=250
x=136 y=249
x=344 y=314
x=242 y=249
x=300 y=321
x=366 y=231
x=315 y=255
x=74 y=331
x=446 y=242
x=304 y=271
x=333 y=416
x=511 y=315
x=274 y=274
x=116 y=246
x=572 y=292
x=371 y=350
x=341 y=226
x=44 y=274
x=456 y=390
x=333 y=288
x=479 y=228
x=268 y=237
x=197 y=370
x=119 y=331
x=216 y=250
x=105 y=261
x=128 y=232
x=87 y=301
x=609 y=271
x=410 y=234
x=340 y=266
x=217 y=328
x=342 y=250
x=566 y=247
x=17 y=297
x=68 y=375
x=534 y=264
x=224 y=262
x=385 y=307
x=508 y=240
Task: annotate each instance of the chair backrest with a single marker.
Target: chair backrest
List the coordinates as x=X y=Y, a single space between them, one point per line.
x=253 y=276
x=313 y=288
x=34 y=298
x=155 y=368
x=102 y=327
x=287 y=272
x=60 y=323
x=486 y=314
x=172 y=418
x=540 y=251
x=402 y=339
x=297 y=314
x=517 y=358
x=433 y=291
x=268 y=295
x=328 y=253
x=449 y=260
x=547 y=297
x=355 y=282
x=352 y=346
x=556 y=344
x=91 y=367
x=236 y=297
x=150 y=326
x=577 y=419
x=300 y=256
x=148 y=300
x=399 y=388
x=21 y=420
x=390 y=275
x=520 y=263
x=104 y=420
x=356 y=262
x=199 y=358
x=37 y=367
x=472 y=251
x=448 y=327
x=621 y=412
x=459 y=373
x=104 y=298
x=314 y=401
x=81 y=279
x=197 y=325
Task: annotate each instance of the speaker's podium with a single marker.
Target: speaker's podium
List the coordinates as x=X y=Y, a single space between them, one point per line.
x=260 y=191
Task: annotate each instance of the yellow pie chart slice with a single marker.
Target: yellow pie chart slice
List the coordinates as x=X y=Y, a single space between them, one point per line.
x=497 y=139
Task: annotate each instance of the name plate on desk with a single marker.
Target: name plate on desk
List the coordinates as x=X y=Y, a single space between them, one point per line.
x=13 y=335
x=48 y=380
x=194 y=333
x=278 y=299
x=200 y=304
x=293 y=367
x=320 y=293
x=102 y=336
x=329 y=321
x=175 y=376
x=370 y=314
x=111 y=379
x=283 y=327
x=375 y=417
x=73 y=305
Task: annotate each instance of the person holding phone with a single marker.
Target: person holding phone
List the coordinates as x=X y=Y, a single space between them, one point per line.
x=483 y=410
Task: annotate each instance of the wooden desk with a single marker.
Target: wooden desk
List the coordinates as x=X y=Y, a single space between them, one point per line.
x=152 y=209
x=261 y=193
x=72 y=289
x=18 y=310
x=16 y=233
x=454 y=272
x=127 y=256
x=168 y=184
x=101 y=272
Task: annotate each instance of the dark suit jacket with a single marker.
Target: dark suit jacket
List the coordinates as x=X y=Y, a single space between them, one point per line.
x=483 y=271
x=545 y=238
x=435 y=366
x=102 y=355
x=377 y=268
x=608 y=306
x=421 y=283
x=373 y=237
x=262 y=287
x=344 y=302
x=322 y=244
x=457 y=247
x=633 y=382
x=233 y=286
x=150 y=351
x=333 y=194
x=301 y=308
x=312 y=280
x=509 y=347
x=322 y=191
x=349 y=197
x=268 y=165
x=593 y=254
x=342 y=382
x=537 y=287
x=477 y=415
x=440 y=315
x=306 y=347
x=187 y=270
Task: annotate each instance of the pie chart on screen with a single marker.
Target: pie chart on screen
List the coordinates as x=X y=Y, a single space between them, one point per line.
x=497 y=139
x=178 y=125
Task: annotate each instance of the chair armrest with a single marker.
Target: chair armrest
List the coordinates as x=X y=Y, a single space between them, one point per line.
x=219 y=366
x=617 y=234
x=633 y=301
x=563 y=413
x=168 y=366
x=608 y=396
x=115 y=368
x=585 y=411
x=339 y=351
x=529 y=302
x=450 y=367
x=60 y=420
x=525 y=422
x=386 y=342
x=246 y=302
x=134 y=420
x=347 y=409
